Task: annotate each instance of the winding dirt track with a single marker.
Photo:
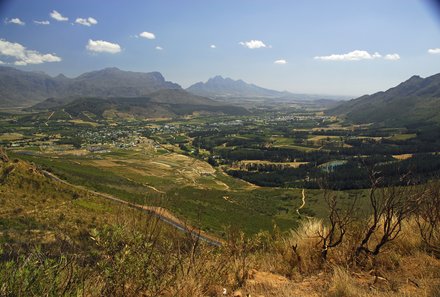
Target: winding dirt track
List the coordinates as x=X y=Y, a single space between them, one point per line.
x=159 y=212
x=303 y=202
x=302 y=205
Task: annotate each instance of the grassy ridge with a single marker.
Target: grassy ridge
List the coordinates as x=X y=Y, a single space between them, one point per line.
x=205 y=203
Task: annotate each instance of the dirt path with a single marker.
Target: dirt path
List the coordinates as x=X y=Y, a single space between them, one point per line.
x=48 y=118
x=159 y=212
x=154 y=189
x=303 y=202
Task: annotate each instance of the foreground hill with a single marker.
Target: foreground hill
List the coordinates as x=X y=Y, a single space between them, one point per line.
x=416 y=100
x=22 y=88
x=162 y=103
x=57 y=239
x=60 y=240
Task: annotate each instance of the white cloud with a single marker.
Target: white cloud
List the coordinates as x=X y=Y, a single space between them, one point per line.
x=434 y=51
x=351 y=56
x=281 y=62
x=147 y=35
x=101 y=46
x=213 y=46
x=392 y=57
x=1 y=62
x=58 y=16
x=24 y=56
x=253 y=44
x=42 y=22
x=159 y=48
x=358 y=55
x=86 y=22
x=15 y=21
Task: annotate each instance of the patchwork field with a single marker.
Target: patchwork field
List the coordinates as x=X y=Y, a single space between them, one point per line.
x=192 y=189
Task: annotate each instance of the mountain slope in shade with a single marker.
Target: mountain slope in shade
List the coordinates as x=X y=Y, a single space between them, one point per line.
x=22 y=88
x=162 y=103
x=218 y=87
x=416 y=100
x=112 y=82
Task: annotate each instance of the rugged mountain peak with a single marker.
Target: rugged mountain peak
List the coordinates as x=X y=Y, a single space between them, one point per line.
x=23 y=88
x=219 y=86
x=61 y=77
x=413 y=80
x=216 y=78
x=157 y=76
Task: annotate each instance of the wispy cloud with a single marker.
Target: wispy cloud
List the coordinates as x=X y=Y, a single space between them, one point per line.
x=213 y=46
x=253 y=44
x=86 y=22
x=280 y=62
x=147 y=35
x=101 y=46
x=58 y=16
x=42 y=22
x=159 y=48
x=15 y=21
x=434 y=51
x=24 y=56
x=392 y=57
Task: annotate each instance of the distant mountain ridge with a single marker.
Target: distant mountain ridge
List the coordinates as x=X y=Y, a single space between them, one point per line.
x=416 y=100
x=23 y=88
x=224 y=88
x=227 y=87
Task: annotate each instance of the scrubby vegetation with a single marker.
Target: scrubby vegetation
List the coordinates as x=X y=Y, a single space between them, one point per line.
x=56 y=240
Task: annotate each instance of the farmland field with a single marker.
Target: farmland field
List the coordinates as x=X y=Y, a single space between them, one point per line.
x=219 y=171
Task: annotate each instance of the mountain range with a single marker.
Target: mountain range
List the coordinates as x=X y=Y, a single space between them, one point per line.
x=22 y=88
x=218 y=87
x=225 y=88
x=414 y=101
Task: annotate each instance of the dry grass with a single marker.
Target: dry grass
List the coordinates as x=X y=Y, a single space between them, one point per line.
x=403 y=268
x=133 y=255
x=11 y=136
x=402 y=156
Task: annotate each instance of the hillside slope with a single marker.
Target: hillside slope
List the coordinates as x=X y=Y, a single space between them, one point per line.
x=60 y=240
x=414 y=101
x=21 y=88
x=162 y=103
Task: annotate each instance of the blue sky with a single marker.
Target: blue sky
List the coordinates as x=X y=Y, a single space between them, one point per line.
x=341 y=47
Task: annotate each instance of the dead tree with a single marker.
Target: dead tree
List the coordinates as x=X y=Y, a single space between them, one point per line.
x=3 y=156
x=428 y=218
x=389 y=207
x=339 y=221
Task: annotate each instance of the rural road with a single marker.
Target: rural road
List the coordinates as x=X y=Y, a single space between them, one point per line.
x=158 y=212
